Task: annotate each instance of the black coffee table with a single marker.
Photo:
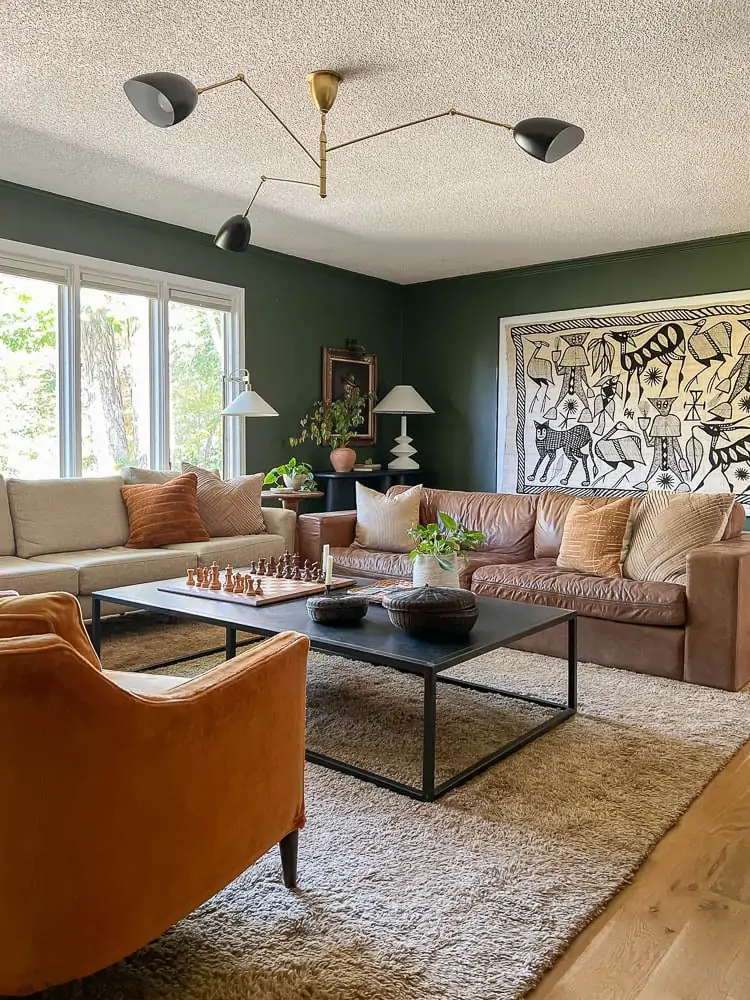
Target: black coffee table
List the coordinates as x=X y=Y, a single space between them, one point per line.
x=376 y=641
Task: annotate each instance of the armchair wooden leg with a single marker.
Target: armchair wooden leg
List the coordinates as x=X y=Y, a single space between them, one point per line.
x=288 y=849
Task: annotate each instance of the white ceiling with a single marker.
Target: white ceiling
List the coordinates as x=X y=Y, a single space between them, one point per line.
x=660 y=87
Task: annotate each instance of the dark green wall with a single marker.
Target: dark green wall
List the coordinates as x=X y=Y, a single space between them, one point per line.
x=294 y=307
x=451 y=334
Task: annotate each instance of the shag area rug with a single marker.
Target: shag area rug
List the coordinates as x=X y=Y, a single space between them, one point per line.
x=468 y=898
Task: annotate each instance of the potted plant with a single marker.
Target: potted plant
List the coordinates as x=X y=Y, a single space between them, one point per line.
x=333 y=423
x=435 y=555
x=294 y=475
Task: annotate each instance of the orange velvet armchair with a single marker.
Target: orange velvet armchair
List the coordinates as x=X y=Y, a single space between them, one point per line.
x=121 y=812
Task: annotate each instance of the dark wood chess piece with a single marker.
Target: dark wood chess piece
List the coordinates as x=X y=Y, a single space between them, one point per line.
x=261 y=567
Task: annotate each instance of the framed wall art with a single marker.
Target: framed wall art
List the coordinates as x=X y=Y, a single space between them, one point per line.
x=618 y=400
x=345 y=370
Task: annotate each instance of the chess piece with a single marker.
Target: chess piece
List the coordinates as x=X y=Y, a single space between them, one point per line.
x=295 y=559
x=202 y=576
x=308 y=575
x=258 y=588
x=249 y=586
x=279 y=571
x=271 y=565
x=215 y=582
x=297 y=573
x=253 y=567
x=261 y=567
x=239 y=583
x=190 y=582
x=228 y=580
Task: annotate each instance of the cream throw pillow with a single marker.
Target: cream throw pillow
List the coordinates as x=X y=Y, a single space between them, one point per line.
x=666 y=526
x=382 y=521
x=229 y=506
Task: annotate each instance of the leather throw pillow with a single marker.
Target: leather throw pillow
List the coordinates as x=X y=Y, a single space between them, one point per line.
x=382 y=521
x=163 y=513
x=595 y=538
x=666 y=526
x=229 y=506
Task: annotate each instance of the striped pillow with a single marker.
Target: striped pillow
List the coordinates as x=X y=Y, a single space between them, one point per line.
x=163 y=514
x=229 y=506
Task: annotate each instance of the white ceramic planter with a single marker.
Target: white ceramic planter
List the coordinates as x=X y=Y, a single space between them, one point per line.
x=294 y=482
x=428 y=570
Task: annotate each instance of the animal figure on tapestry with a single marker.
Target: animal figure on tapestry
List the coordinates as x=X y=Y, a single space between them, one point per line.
x=664 y=346
x=539 y=371
x=712 y=346
x=614 y=451
x=573 y=440
x=723 y=456
x=736 y=382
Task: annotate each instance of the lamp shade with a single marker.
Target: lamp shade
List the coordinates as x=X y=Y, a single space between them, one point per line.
x=547 y=139
x=249 y=404
x=234 y=235
x=163 y=99
x=403 y=399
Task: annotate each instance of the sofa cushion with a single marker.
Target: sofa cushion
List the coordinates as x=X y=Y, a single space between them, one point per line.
x=541 y=581
x=31 y=576
x=67 y=515
x=507 y=520
x=100 y=569
x=237 y=551
x=372 y=563
x=7 y=539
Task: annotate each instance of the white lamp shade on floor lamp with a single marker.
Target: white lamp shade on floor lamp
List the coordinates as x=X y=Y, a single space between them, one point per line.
x=403 y=399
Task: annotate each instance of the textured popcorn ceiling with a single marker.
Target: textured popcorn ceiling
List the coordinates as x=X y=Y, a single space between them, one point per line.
x=660 y=87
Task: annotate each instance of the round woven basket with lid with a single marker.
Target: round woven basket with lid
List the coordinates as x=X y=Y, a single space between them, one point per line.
x=432 y=611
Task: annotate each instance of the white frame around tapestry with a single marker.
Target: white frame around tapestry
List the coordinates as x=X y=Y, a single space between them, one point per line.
x=592 y=413
x=71 y=271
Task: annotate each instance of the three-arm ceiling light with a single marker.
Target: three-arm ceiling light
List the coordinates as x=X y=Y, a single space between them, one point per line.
x=166 y=99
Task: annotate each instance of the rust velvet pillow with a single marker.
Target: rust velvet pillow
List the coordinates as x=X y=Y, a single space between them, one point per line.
x=161 y=514
x=595 y=539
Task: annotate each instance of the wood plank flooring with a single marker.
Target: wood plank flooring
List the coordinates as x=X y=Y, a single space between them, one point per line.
x=681 y=930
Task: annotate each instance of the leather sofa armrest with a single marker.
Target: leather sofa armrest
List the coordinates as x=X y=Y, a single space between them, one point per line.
x=281 y=522
x=335 y=528
x=717 y=637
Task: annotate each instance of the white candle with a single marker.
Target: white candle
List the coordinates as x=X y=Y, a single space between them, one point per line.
x=324 y=560
x=329 y=570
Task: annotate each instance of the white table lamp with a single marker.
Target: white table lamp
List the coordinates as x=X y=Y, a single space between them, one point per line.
x=248 y=403
x=403 y=399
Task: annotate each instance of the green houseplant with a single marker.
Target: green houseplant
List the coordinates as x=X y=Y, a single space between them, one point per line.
x=436 y=550
x=294 y=476
x=333 y=423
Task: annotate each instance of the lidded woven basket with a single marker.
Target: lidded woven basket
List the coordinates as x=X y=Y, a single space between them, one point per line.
x=432 y=611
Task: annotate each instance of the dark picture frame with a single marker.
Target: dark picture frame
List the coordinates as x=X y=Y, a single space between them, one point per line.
x=342 y=368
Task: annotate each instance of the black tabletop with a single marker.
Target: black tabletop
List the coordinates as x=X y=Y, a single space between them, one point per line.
x=374 y=639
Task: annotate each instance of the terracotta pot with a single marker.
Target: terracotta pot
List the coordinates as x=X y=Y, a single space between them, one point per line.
x=427 y=570
x=343 y=459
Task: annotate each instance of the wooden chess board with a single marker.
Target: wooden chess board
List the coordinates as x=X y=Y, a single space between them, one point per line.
x=275 y=590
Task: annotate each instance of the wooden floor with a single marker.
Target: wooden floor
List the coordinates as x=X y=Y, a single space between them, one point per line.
x=681 y=930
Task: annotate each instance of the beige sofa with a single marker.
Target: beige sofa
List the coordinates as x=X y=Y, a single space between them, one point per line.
x=70 y=534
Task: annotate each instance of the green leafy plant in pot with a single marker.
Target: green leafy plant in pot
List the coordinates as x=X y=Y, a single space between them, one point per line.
x=294 y=476
x=333 y=423
x=437 y=549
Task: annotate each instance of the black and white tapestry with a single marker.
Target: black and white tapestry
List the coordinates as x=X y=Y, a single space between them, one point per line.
x=628 y=399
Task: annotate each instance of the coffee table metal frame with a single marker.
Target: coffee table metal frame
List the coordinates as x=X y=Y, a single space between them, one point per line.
x=429 y=790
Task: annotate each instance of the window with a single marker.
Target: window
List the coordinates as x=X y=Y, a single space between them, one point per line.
x=104 y=365
x=29 y=340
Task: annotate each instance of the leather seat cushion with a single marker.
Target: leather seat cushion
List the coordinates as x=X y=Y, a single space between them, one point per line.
x=373 y=564
x=541 y=581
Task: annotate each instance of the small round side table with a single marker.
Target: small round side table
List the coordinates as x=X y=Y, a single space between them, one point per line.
x=291 y=499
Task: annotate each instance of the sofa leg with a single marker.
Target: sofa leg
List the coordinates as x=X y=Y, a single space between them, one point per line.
x=288 y=849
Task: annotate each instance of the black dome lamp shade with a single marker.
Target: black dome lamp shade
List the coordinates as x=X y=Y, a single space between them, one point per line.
x=547 y=139
x=163 y=99
x=234 y=234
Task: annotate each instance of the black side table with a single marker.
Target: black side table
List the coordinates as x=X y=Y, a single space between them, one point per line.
x=340 y=491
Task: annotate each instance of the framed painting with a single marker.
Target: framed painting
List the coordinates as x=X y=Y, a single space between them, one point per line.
x=618 y=400
x=344 y=371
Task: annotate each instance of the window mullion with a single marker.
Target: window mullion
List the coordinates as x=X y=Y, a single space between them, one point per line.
x=69 y=389
x=159 y=376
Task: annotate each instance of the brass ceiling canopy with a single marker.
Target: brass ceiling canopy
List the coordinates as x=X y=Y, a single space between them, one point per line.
x=166 y=99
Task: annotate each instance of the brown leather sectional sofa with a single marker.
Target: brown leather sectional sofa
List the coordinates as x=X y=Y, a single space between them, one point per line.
x=698 y=632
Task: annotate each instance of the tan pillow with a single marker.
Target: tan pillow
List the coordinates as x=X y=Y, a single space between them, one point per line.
x=229 y=506
x=163 y=514
x=595 y=538
x=382 y=521
x=666 y=526
x=139 y=477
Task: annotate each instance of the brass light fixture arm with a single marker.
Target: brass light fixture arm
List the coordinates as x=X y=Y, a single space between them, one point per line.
x=278 y=180
x=451 y=112
x=240 y=78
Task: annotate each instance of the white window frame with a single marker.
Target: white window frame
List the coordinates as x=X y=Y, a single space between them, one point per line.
x=67 y=269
